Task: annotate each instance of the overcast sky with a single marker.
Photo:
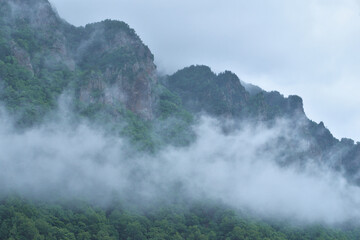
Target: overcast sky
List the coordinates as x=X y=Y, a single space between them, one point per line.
x=310 y=48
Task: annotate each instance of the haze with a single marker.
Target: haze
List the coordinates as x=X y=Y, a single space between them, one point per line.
x=67 y=161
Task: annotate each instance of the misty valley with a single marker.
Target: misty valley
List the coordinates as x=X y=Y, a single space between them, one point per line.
x=96 y=143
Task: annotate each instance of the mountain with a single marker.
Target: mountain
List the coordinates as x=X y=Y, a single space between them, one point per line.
x=106 y=61
x=111 y=76
x=223 y=95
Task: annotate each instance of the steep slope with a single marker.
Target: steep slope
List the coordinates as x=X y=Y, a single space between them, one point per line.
x=41 y=54
x=117 y=67
x=112 y=78
x=223 y=95
x=202 y=90
x=35 y=66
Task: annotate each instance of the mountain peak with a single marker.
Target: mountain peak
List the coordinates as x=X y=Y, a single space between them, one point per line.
x=38 y=13
x=35 y=36
x=111 y=73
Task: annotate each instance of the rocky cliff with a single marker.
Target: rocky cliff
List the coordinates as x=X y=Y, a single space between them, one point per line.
x=121 y=67
x=111 y=64
x=223 y=95
x=108 y=70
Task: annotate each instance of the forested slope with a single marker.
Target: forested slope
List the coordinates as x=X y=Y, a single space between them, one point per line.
x=78 y=220
x=109 y=75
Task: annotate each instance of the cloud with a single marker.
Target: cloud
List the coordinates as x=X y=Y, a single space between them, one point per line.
x=261 y=41
x=240 y=169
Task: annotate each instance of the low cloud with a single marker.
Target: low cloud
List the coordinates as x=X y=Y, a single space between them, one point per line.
x=240 y=169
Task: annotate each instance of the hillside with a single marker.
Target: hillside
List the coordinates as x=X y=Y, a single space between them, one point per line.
x=109 y=75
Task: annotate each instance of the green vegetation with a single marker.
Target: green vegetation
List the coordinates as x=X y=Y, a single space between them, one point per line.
x=201 y=90
x=197 y=88
x=38 y=63
x=29 y=96
x=174 y=123
x=29 y=86
x=23 y=219
x=115 y=59
x=25 y=37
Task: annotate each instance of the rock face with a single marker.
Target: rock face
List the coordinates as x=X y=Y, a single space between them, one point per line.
x=112 y=65
x=223 y=95
x=110 y=70
x=122 y=67
x=201 y=90
x=22 y=57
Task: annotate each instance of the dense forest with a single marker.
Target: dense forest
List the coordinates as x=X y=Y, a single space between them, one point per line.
x=23 y=219
x=111 y=80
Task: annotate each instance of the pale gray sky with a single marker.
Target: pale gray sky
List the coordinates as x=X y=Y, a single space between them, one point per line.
x=305 y=47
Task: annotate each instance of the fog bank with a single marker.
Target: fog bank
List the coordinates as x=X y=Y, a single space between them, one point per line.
x=239 y=168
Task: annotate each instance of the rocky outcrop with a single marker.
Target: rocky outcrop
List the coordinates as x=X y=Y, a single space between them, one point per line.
x=223 y=95
x=21 y=56
x=201 y=90
x=110 y=68
x=125 y=73
x=125 y=70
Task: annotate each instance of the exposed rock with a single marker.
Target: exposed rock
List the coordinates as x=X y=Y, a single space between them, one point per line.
x=22 y=56
x=108 y=64
x=125 y=71
x=202 y=90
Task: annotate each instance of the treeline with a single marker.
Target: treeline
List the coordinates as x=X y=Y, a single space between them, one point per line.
x=25 y=220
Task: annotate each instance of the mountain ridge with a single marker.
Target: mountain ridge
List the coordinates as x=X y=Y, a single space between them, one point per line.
x=131 y=142
x=113 y=77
